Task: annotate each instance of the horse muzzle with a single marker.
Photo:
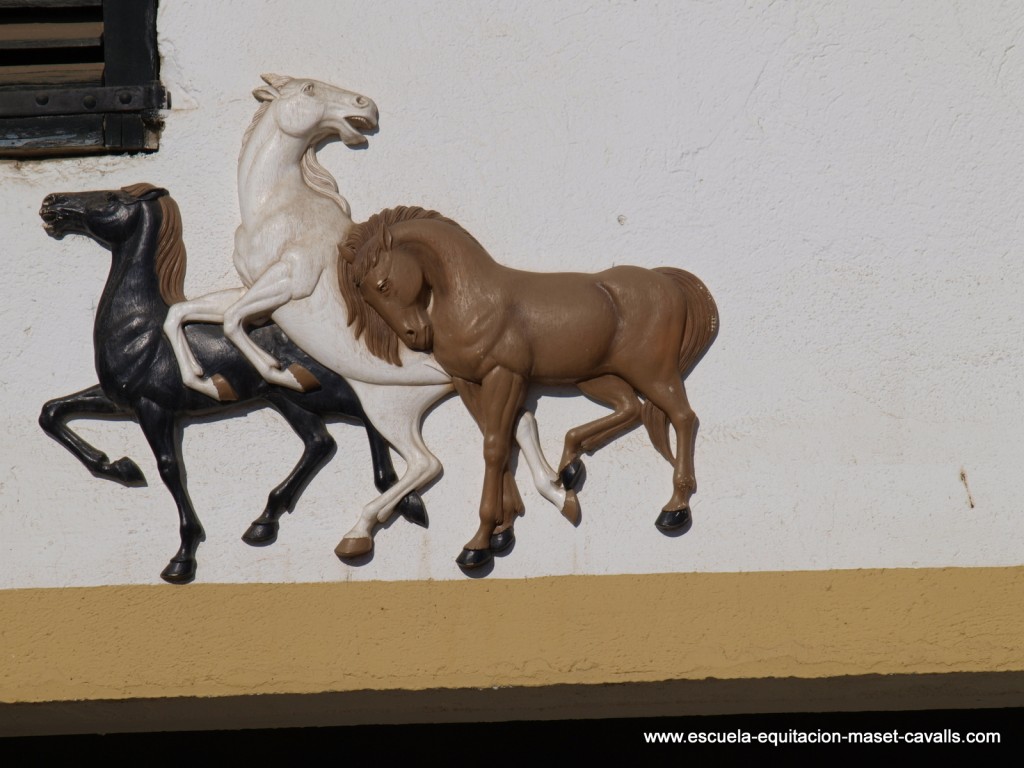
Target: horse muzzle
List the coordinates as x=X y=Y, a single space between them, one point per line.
x=420 y=339
x=56 y=220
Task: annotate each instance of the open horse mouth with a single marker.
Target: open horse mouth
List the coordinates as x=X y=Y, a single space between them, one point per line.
x=352 y=128
x=54 y=220
x=361 y=123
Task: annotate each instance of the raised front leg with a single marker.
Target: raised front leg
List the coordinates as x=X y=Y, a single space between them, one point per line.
x=500 y=400
x=206 y=309
x=160 y=429
x=289 y=279
x=88 y=402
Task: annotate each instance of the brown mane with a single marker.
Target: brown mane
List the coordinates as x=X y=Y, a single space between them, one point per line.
x=170 y=256
x=380 y=339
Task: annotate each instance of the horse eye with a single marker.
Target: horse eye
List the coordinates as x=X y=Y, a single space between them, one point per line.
x=307 y=88
x=383 y=285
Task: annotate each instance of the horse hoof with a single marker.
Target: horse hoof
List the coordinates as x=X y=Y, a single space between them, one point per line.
x=260 y=534
x=669 y=521
x=306 y=380
x=127 y=471
x=571 y=474
x=225 y=392
x=354 y=547
x=413 y=509
x=474 y=558
x=571 y=508
x=499 y=541
x=179 y=571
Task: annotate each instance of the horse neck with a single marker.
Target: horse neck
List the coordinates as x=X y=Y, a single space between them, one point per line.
x=445 y=267
x=132 y=290
x=269 y=167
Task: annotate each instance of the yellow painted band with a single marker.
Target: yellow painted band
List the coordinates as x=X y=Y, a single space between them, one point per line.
x=208 y=640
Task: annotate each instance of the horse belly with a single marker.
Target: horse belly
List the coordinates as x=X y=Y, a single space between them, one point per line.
x=572 y=338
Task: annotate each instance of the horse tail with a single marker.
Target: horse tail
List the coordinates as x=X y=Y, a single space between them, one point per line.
x=699 y=331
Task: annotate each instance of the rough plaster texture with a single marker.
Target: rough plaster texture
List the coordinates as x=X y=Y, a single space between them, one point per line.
x=503 y=633
x=845 y=178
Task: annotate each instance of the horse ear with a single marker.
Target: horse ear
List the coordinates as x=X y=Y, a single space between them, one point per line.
x=277 y=81
x=385 y=238
x=263 y=93
x=153 y=194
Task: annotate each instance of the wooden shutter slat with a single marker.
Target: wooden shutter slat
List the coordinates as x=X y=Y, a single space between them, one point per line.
x=85 y=34
x=90 y=73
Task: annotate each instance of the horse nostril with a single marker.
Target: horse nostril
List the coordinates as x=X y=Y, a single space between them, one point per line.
x=361 y=101
x=410 y=332
x=49 y=199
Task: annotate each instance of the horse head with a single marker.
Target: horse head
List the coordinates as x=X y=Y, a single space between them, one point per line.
x=313 y=110
x=107 y=216
x=392 y=282
x=111 y=217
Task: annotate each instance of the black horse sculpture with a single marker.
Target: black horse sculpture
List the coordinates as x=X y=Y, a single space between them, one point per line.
x=139 y=378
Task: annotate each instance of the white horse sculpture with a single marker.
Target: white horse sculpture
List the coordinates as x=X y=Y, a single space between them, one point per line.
x=286 y=252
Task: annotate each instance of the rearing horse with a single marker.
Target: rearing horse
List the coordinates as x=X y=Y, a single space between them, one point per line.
x=286 y=252
x=613 y=335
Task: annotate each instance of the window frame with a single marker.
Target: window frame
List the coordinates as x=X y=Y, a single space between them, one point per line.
x=119 y=115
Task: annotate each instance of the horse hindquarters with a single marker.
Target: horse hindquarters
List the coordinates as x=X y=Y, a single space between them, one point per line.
x=666 y=404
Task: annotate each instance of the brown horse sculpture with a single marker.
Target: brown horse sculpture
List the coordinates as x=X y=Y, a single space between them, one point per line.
x=614 y=335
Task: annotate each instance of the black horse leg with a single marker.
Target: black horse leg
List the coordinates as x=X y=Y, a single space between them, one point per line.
x=91 y=401
x=319 y=445
x=411 y=506
x=160 y=429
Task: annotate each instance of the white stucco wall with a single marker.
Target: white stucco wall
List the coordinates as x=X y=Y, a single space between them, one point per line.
x=843 y=176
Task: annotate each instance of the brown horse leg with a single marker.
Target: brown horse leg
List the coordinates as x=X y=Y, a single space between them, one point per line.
x=671 y=398
x=617 y=394
x=501 y=397
x=511 y=502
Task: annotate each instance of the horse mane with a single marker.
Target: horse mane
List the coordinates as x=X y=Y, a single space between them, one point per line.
x=380 y=339
x=171 y=258
x=317 y=177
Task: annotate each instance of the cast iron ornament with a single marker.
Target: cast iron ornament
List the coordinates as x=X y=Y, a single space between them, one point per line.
x=139 y=378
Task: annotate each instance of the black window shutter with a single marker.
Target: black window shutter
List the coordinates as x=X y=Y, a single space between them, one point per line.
x=79 y=77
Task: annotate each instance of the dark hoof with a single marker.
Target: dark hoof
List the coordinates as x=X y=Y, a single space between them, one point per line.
x=500 y=541
x=179 y=571
x=126 y=471
x=668 y=522
x=261 y=533
x=571 y=475
x=474 y=558
x=413 y=509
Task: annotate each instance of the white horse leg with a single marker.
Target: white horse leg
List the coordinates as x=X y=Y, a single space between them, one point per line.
x=544 y=476
x=274 y=288
x=205 y=309
x=396 y=412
